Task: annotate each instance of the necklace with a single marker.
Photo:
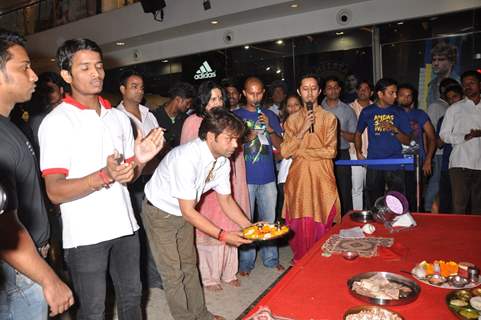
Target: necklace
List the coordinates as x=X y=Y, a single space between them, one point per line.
x=210 y=175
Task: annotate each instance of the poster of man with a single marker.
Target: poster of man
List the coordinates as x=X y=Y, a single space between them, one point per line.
x=443 y=60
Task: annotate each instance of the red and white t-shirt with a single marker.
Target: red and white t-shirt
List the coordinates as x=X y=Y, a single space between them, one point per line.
x=76 y=141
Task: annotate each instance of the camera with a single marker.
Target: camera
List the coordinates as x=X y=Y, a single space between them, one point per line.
x=344 y=17
x=228 y=37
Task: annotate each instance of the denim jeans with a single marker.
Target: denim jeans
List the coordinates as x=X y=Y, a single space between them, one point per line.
x=433 y=184
x=20 y=297
x=265 y=196
x=89 y=265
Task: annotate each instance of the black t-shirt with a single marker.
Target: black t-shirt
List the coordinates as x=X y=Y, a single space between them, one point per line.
x=173 y=130
x=19 y=169
x=7 y=182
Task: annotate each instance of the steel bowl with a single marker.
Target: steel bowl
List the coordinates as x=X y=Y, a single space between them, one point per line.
x=436 y=279
x=393 y=277
x=350 y=255
x=457 y=281
x=362 y=216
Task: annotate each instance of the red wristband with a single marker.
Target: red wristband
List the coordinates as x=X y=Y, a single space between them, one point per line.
x=105 y=179
x=222 y=235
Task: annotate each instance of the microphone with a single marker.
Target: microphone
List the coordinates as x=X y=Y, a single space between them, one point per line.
x=309 y=106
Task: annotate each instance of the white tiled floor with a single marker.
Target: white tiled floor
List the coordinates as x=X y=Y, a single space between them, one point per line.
x=229 y=303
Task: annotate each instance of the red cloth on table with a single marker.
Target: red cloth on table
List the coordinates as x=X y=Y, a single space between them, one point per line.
x=316 y=287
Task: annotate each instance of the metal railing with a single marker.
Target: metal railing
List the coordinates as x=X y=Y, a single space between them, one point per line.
x=46 y=14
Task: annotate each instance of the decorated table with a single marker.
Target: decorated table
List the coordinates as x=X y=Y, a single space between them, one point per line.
x=316 y=287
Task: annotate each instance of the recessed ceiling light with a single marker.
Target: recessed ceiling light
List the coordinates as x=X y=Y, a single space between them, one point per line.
x=120 y=43
x=279 y=42
x=246 y=47
x=278 y=71
x=53 y=59
x=294 y=5
x=400 y=22
x=283 y=79
x=268 y=68
x=339 y=33
x=165 y=61
x=214 y=22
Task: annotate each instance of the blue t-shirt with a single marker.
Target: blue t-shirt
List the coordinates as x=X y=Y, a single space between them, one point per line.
x=259 y=159
x=382 y=143
x=417 y=119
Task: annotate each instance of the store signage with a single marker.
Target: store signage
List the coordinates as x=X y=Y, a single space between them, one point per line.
x=204 y=72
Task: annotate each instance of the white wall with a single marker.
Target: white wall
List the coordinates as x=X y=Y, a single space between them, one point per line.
x=187 y=29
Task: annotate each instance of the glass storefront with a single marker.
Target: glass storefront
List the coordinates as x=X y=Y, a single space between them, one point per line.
x=406 y=55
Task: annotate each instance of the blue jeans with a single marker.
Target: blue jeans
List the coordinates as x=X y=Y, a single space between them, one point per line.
x=20 y=297
x=433 y=184
x=265 y=196
x=89 y=266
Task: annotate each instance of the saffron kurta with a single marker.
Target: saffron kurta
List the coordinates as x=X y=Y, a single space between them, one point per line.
x=310 y=189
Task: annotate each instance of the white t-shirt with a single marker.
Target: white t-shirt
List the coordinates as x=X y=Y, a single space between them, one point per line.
x=284 y=170
x=76 y=141
x=183 y=174
x=276 y=109
x=147 y=122
x=459 y=119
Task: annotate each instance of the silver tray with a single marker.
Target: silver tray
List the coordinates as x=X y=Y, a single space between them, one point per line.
x=392 y=277
x=355 y=310
x=362 y=216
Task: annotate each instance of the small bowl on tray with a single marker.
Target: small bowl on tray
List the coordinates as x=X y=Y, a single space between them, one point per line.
x=362 y=216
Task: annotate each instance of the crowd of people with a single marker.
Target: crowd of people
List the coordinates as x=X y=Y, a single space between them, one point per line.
x=158 y=198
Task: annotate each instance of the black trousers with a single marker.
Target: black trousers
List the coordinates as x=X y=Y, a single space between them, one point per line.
x=466 y=187
x=445 y=193
x=377 y=180
x=89 y=266
x=344 y=182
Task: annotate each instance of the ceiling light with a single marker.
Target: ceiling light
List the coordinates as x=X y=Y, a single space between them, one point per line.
x=339 y=33
x=279 y=42
x=120 y=43
x=53 y=59
x=278 y=71
x=283 y=79
x=246 y=47
x=268 y=68
x=294 y=5
x=165 y=61
x=400 y=22
x=214 y=22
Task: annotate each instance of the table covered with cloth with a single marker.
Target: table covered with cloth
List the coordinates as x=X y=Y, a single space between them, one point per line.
x=316 y=287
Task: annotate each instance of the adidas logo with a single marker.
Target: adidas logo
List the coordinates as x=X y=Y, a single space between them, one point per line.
x=204 y=72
